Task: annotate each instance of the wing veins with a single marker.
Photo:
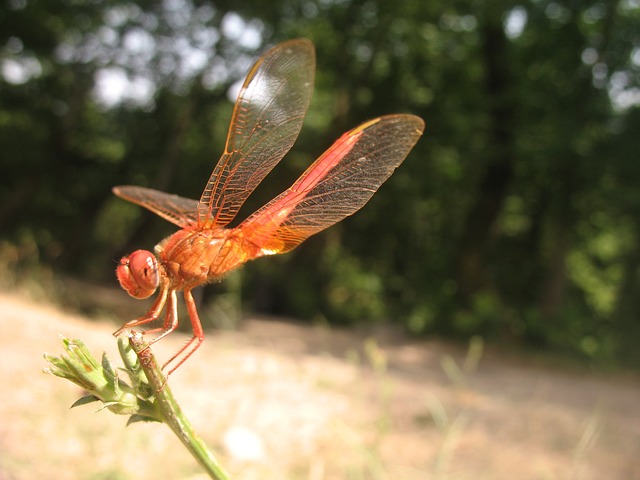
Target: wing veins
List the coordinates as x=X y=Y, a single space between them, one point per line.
x=267 y=119
x=338 y=184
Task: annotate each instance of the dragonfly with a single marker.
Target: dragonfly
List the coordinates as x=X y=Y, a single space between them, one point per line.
x=267 y=118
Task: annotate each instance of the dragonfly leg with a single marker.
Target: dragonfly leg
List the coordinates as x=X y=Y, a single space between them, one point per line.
x=170 y=320
x=192 y=345
x=152 y=314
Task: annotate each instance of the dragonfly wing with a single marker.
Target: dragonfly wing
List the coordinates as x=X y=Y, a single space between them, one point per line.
x=337 y=185
x=266 y=121
x=178 y=210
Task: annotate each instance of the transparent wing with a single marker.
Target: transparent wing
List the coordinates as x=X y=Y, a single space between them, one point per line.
x=178 y=210
x=337 y=185
x=266 y=121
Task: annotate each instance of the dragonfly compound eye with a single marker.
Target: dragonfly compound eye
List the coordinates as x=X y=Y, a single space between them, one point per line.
x=138 y=274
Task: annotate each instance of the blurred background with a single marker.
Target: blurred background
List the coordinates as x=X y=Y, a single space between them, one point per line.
x=516 y=217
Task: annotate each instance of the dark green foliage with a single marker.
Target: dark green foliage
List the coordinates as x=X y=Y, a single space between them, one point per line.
x=517 y=216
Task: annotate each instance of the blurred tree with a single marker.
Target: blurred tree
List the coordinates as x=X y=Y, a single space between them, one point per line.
x=516 y=215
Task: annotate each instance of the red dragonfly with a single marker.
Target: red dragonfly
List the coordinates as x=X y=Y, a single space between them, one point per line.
x=266 y=120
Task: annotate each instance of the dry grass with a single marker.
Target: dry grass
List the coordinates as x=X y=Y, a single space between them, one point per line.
x=280 y=401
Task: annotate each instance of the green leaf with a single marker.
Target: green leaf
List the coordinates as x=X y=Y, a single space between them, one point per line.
x=85 y=400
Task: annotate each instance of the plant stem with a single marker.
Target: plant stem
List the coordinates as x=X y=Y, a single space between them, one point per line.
x=171 y=411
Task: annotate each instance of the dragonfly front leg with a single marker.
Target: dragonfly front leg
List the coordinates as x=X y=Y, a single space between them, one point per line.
x=194 y=343
x=170 y=319
x=152 y=314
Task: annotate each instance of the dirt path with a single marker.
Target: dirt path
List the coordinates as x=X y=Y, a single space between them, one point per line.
x=281 y=401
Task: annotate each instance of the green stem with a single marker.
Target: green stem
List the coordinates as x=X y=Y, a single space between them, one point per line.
x=172 y=412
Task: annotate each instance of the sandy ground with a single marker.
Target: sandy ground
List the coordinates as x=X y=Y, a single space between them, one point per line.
x=277 y=400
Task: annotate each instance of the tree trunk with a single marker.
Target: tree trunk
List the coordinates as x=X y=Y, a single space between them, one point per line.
x=472 y=275
x=564 y=214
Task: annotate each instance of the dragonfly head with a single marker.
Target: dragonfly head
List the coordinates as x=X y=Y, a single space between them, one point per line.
x=138 y=274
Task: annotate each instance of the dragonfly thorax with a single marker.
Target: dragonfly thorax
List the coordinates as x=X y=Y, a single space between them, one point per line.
x=191 y=257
